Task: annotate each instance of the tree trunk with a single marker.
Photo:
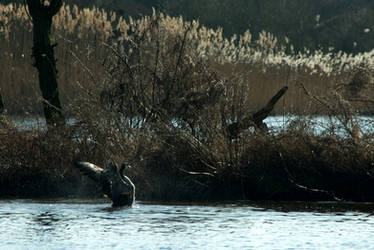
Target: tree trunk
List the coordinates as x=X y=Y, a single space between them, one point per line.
x=45 y=62
x=1 y=105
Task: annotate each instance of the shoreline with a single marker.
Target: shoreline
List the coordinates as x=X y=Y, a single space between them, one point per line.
x=289 y=166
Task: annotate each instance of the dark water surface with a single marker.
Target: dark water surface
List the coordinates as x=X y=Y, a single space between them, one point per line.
x=92 y=224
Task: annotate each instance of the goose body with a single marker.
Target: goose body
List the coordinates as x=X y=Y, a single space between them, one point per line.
x=117 y=186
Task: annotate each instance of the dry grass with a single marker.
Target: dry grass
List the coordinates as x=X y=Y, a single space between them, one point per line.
x=260 y=66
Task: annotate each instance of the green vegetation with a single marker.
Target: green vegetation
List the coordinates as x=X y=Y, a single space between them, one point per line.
x=161 y=94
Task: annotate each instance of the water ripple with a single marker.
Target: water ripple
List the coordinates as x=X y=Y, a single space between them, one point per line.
x=76 y=224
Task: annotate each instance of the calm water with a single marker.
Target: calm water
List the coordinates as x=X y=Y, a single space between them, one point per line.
x=77 y=224
x=317 y=125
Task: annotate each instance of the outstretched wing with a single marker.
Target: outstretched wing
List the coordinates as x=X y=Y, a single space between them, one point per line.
x=89 y=169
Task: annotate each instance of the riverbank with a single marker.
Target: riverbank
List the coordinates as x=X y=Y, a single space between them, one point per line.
x=290 y=165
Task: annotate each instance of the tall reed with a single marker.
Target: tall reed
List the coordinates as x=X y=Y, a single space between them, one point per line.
x=259 y=66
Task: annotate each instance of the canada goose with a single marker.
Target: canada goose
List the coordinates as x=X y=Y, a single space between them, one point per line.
x=118 y=187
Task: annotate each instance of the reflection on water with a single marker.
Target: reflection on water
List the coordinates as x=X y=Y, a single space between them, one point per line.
x=78 y=224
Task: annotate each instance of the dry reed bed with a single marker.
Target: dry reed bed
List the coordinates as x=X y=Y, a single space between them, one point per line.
x=261 y=65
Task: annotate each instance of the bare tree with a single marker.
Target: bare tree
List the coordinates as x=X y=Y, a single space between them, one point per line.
x=42 y=51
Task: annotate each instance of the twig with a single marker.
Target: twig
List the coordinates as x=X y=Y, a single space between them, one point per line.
x=312 y=96
x=84 y=66
x=292 y=181
x=181 y=51
x=196 y=173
